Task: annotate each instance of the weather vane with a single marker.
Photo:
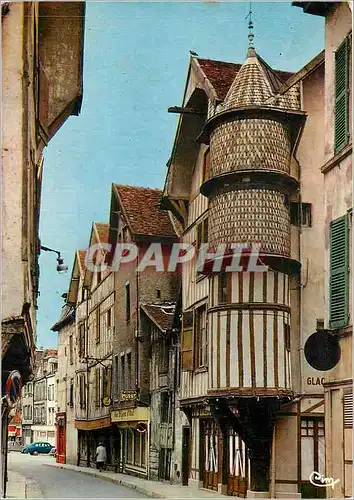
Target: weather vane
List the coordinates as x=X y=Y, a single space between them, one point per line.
x=250 y=27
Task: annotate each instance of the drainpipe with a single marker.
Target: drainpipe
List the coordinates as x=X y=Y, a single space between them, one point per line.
x=87 y=379
x=137 y=330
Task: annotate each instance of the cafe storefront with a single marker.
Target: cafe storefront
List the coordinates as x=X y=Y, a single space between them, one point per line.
x=133 y=428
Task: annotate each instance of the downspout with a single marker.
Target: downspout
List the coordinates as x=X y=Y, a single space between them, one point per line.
x=87 y=378
x=137 y=330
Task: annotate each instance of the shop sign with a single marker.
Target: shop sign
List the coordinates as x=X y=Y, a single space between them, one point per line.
x=130 y=415
x=87 y=425
x=128 y=395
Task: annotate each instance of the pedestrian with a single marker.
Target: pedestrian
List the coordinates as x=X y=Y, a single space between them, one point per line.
x=101 y=456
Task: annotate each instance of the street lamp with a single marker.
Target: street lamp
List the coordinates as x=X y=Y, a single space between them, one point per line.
x=61 y=267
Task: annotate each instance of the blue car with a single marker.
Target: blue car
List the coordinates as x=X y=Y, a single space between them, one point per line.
x=35 y=448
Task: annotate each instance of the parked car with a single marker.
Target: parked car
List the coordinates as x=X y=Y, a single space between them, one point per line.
x=35 y=448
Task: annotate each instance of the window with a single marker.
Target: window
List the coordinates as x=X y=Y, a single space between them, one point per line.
x=127 y=301
x=109 y=318
x=129 y=371
x=341 y=97
x=116 y=374
x=164 y=356
x=135 y=448
x=339 y=270
x=82 y=340
x=187 y=342
x=82 y=395
x=202 y=233
x=224 y=287
x=29 y=412
x=206 y=165
x=200 y=336
x=287 y=336
x=97 y=387
x=122 y=367
x=165 y=407
x=71 y=352
x=97 y=326
x=158 y=294
x=71 y=393
x=107 y=381
x=301 y=214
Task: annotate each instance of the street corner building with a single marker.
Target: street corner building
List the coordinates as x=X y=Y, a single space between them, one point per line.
x=42 y=86
x=262 y=403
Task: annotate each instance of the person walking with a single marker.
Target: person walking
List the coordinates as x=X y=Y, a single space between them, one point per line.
x=101 y=456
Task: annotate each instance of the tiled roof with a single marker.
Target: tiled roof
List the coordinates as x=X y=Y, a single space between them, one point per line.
x=103 y=231
x=221 y=74
x=82 y=255
x=67 y=315
x=161 y=314
x=141 y=206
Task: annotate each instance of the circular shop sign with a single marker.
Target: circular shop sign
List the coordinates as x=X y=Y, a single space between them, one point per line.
x=322 y=350
x=13 y=388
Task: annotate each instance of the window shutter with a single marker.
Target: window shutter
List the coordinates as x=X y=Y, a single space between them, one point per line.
x=187 y=342
x=348 y=410
x=338 y=286
x=341 y=97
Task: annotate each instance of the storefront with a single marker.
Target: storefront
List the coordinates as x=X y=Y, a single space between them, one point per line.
x=90 y=434
x=133 y=428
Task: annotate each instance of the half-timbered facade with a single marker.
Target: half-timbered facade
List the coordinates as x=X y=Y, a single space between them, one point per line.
x=242 y=172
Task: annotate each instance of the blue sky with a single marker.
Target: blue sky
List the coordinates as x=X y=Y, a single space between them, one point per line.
x=135 y=66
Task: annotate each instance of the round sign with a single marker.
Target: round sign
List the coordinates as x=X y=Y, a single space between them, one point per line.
x=322 y=350
x=13 y=388
x=106 y=401
x=141 y=427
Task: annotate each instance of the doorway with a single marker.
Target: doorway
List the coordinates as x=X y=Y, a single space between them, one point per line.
x=185 y=454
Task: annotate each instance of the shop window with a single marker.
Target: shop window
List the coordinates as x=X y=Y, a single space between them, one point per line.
x=200 y=336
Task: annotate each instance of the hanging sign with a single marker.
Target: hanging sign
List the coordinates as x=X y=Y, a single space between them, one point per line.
x=322 y=350
x=13 y=388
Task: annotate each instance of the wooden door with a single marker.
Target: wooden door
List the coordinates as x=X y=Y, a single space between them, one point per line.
x=185 y=455
x=312 y=455
x=212 y=452
x=61 y=443
x=237 y=465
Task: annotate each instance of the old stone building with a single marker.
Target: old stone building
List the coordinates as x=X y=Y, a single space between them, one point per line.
x=42 y=60
x=244 y=171
x=136 y=220
x=336 y=169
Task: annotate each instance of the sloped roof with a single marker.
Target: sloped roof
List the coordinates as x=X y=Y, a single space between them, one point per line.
x=221 y=74
x=67 y=315
x=141 y=207
x=160 y=314
x=82 y=255
x=102 y=231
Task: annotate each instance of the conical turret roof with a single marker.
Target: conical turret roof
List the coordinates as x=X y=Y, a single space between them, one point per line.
x=254 y=84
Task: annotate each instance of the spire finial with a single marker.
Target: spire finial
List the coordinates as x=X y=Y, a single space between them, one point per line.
x=250 y=28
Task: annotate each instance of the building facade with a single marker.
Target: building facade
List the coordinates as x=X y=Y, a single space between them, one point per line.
x=243 y=172
x=42 y=86
x=337 y=172
x=137 y=221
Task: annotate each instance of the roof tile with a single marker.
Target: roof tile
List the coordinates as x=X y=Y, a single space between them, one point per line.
x=142 y=208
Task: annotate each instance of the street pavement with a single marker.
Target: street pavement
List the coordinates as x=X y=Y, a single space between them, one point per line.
x=55 y=482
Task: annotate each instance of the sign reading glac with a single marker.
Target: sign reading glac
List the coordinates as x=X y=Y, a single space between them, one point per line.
x=315 y=380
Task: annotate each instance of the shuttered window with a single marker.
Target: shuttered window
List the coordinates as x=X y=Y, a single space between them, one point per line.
x=348 y=410
x=187 y=342
x=341 y=128
x=338 y=286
